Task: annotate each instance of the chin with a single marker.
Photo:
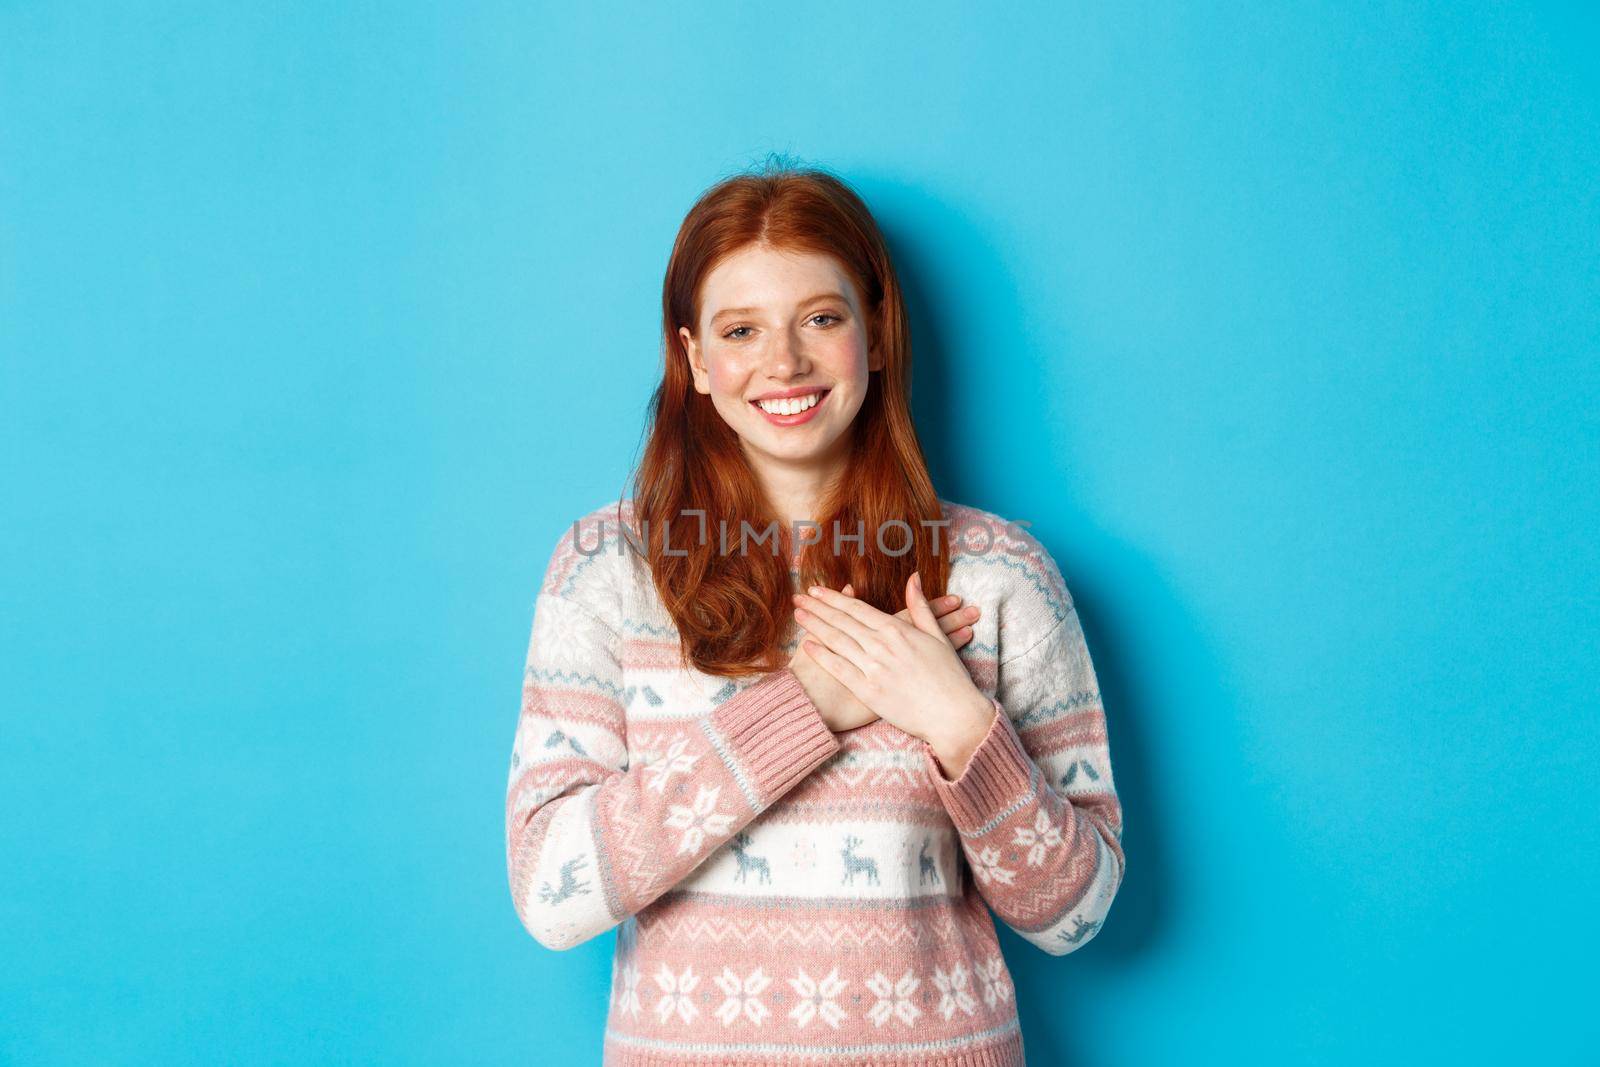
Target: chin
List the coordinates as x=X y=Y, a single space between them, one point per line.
x=791 y=450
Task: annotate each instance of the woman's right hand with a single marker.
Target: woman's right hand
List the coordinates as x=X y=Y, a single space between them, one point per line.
x=839 y=707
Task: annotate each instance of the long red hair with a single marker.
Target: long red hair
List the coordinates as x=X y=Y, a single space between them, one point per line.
x=733 y=610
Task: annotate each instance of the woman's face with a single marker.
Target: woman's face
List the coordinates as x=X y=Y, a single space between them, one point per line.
x=782 y=350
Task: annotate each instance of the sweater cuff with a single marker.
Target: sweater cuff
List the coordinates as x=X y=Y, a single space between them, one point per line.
x=776 y=733
x=999 y=775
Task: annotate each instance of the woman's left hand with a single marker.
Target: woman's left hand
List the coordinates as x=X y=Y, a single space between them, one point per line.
x=907 y=672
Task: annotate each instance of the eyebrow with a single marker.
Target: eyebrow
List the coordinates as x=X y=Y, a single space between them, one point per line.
x=808 y=300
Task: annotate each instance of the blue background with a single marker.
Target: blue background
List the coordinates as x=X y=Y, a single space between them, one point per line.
x=318 y=326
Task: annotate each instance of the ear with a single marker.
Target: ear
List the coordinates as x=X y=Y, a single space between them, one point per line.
x=874 y=357
x=697 y=366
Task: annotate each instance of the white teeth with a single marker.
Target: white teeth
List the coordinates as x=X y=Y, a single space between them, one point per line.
x=790 y=405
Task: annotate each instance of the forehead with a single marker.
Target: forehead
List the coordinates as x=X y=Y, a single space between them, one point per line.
x=761 y=276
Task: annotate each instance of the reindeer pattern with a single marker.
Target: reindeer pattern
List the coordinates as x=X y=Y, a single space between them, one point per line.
x=748 y=862
x=1079 y=931
x=570 y=886
x=927 y=868
x=854 y=864
x=790 y=858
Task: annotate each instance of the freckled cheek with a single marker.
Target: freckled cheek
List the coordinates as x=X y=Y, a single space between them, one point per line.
x=846 y=360
x=727 y=378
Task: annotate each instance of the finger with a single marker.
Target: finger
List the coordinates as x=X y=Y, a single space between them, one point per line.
x=959 y=638
x=827 y=633
x=957 y=620
x=921 y=615
x=943 y=607
x=838 y=618
x=844 y=672
x=864 y=613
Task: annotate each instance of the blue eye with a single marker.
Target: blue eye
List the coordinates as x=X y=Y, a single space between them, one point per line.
x=734 y=333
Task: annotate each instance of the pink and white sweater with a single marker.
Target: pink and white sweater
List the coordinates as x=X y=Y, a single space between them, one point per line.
x=783 y=894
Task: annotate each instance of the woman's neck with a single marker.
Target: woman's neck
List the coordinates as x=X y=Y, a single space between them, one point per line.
x=796 y=491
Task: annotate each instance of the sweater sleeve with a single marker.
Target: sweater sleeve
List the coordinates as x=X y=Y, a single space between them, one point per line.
x=1035 y=807
x=591 y=840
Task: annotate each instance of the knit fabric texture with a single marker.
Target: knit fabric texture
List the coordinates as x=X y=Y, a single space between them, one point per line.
x=782 y=894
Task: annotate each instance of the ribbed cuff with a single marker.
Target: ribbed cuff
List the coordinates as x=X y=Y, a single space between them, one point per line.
x=777 y=733
x=999 y=774
x=623 y=1050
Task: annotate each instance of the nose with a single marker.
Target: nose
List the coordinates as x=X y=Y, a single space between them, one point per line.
x=786 y=358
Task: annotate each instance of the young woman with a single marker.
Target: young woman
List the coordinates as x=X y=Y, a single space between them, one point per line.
x=790 y=722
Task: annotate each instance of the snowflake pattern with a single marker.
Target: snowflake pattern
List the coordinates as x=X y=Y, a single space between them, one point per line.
x=676 y=761
x=992 y=981
x=986 y=865
x=1038 y=838
x=743 y=997
x=818 y=998
x=803 y=854
x=894 y=999
x=628 y=998
x=558 y=640
x=953 y=991
x=675 y=990
x=701 y=819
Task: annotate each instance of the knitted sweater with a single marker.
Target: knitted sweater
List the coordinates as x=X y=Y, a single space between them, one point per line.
x=783 y=894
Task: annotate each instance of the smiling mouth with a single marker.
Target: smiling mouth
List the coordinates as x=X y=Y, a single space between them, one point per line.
x=792 y=410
